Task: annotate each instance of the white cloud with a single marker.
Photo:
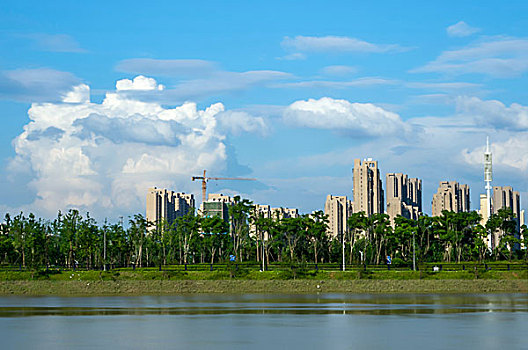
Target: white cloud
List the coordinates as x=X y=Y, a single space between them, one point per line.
x=450 y=86
x=338 y=70
x=79 y=94
x=493 y=113
x=102 y=157
x=296 y=56
x=139 y=83
x=461 y=29
x=36 y=85
x=239 y=122
x=508 y=152
x=204 y=79
x=343 y=116
x=53 y=42
x=360 y=82
x=499 y=57
x=169 y=68
x=334 y=44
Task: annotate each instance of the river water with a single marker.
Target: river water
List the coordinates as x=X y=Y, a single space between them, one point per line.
x=326 y=321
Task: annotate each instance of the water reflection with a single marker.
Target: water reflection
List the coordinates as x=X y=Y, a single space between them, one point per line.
x=326 y=304
x=325 y=321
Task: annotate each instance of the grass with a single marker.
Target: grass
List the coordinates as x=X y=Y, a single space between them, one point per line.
x=151 y=281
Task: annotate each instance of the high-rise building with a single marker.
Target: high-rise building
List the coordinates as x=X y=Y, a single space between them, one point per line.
x=505 y=197
x=282 y=213
x=167 y=205
x=484 y=210
x=451 y=196
x=338 y=209
x=368 y=188
x=217 y=204
x=404 y=196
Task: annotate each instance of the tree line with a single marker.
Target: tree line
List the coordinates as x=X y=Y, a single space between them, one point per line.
x=72 y=240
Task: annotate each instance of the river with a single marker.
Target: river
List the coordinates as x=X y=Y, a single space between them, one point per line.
x=326 y=321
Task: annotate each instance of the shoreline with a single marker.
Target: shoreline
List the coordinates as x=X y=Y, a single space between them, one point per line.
x=298 y=286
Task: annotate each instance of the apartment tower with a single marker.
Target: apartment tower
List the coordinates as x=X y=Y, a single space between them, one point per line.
x=167 y=205
x=404 y=196
x=505 y=197
x=368 y=188
x=451 y=196
x=338 y=209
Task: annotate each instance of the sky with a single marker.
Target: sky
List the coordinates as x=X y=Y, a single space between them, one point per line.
x=100 y=100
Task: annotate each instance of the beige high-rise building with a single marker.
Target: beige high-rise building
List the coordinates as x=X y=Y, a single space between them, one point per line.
x=451 y=196
x=503 y=197
x=483 y=211
x=404 y=196
x=368 y=188
x=506 y=197
x=163 y=204
x=338 y=209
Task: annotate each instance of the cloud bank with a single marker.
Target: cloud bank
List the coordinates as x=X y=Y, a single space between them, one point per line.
x=103 y=156
x=334 y=44
x=345 y=117
x=498 y=57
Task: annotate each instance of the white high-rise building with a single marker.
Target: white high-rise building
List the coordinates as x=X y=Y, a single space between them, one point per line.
x=338 y=209
x=167 y=205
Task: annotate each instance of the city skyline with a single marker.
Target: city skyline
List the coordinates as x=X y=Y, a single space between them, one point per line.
x=95 y=113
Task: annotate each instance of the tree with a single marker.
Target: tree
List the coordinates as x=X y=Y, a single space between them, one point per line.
x=137 y=233
x=215 y=231
x=239 y=213
x=317 y=226
x=187 y=229
x=355 y=226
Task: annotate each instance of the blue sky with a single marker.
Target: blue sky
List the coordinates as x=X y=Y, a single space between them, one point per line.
x=287 y=92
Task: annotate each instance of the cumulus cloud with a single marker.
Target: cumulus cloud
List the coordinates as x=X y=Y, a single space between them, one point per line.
x=335 y=44
x=140 y=82
x=239 y=122
x=493 y=113
x=499 y=57
x=36 y=85
x=461 y=29
x=506 y=152
x=103 y=156
x=79 y=94
x=343 y=116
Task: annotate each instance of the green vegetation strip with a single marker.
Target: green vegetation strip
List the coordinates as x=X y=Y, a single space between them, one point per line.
x=152 y=282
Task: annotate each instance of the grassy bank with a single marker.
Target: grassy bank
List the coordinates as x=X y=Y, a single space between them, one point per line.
x=165 y=287
x=154 y=282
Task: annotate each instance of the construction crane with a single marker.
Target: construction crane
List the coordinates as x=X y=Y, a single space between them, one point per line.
x=205 y=179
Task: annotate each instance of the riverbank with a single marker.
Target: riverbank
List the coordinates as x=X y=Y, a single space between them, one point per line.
x=168 y=287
